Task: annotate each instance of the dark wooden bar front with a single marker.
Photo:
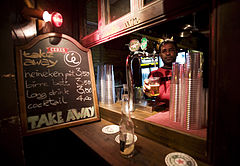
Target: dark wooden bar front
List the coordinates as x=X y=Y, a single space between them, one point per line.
x=147 y=151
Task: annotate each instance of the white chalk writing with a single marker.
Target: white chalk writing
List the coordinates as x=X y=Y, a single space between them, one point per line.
x=72 y=59
x=52 y=118
x=56 y=83
x=39 y=59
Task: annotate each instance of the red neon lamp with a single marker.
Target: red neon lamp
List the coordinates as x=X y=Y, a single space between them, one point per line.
x=56 y=18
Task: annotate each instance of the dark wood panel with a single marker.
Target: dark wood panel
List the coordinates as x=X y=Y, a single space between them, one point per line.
x=224 y=83
x=11 y=148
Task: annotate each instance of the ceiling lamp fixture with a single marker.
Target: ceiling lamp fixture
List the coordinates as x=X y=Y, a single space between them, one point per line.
x=188 y=29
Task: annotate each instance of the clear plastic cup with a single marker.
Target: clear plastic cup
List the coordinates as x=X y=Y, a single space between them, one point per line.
x=154 y=83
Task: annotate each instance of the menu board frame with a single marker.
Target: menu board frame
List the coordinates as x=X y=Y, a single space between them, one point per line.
x=76 y=117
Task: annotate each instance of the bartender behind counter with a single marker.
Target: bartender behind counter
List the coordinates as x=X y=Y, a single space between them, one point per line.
x=168 y=53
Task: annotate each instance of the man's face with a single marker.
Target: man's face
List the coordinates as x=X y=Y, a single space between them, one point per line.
x=168 y=54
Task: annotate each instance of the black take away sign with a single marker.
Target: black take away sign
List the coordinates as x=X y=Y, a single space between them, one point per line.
x=56 y=84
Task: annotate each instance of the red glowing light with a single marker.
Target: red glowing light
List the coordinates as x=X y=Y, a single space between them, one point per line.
x=57 y=19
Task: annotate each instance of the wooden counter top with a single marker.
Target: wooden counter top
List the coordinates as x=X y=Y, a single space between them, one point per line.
x=175 y=139
x=147 y=152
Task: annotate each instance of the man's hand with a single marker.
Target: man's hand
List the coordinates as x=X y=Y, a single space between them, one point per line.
x=146 y=87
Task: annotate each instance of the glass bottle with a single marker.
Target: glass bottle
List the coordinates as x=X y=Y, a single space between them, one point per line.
x=126 y=125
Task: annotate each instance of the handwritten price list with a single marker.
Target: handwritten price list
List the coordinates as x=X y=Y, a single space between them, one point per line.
x=57 y=87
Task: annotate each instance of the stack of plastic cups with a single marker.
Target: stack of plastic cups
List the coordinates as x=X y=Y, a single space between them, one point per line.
x=98 y=82
x=192 y=92
x=182 y=92
x=101 y=73
x=110 y=85
x=105 y=84
x=174 y=113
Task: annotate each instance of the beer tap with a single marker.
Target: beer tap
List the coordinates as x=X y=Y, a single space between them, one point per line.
x=134 y=46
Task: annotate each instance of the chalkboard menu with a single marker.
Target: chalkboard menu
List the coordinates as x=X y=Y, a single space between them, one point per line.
x=56 y=84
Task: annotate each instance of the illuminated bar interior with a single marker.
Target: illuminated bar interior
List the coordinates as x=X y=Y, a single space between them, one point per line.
x=121 y=40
